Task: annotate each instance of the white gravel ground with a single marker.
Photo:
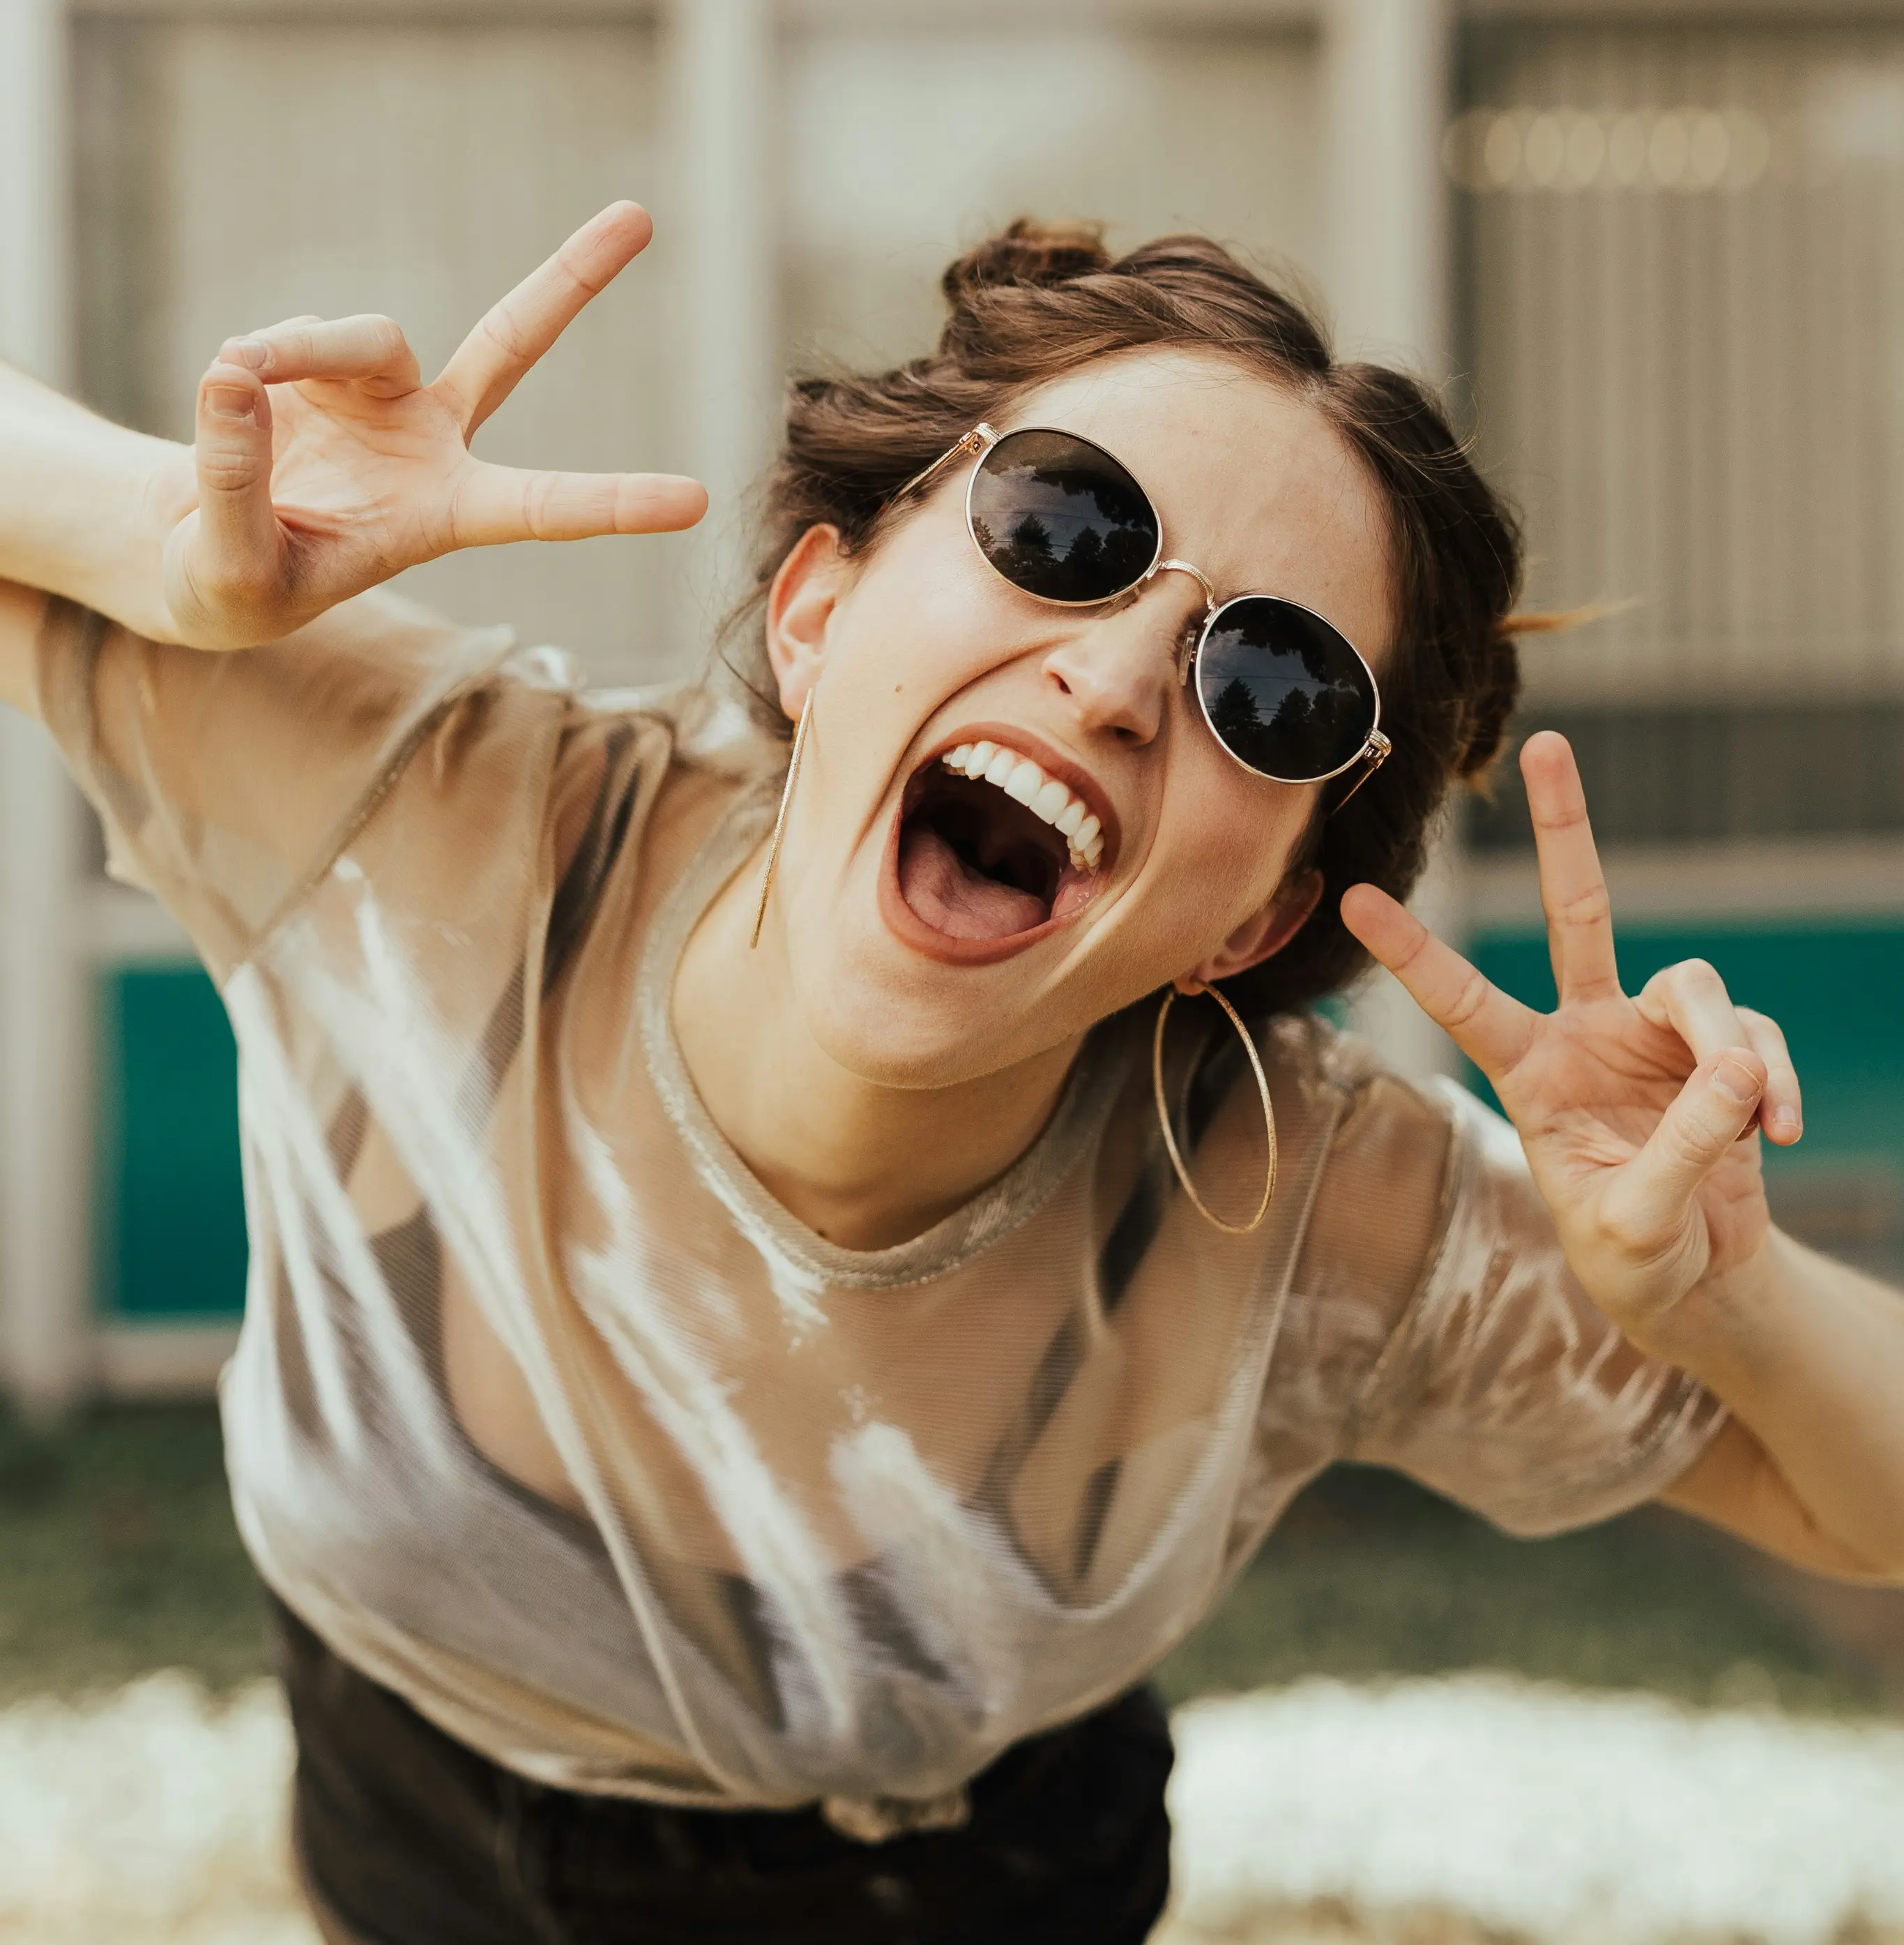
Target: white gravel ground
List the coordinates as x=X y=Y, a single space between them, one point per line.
x=1421 y=1811
x=1558 y=1815
x=151 y=1816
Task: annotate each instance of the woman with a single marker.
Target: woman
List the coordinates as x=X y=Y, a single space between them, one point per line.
x=764 y=1324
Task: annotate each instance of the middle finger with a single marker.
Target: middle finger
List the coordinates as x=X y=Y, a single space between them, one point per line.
x=491 y=362
x=1573 y=887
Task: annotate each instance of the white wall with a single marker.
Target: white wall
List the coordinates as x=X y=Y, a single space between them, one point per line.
x=902 y=144
x=1689 y=322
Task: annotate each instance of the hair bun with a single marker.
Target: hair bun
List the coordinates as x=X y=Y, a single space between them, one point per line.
x=1027 y=252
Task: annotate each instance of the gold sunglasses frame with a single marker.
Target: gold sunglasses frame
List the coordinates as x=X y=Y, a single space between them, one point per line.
x=1376 y=746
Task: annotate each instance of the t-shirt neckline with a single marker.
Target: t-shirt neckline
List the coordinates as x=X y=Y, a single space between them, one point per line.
x=797 y=1252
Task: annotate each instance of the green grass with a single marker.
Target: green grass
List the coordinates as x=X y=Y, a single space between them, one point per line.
x=118 y=1555
x=1370 y=1576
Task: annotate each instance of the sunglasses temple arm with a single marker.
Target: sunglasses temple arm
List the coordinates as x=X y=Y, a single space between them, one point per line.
x=980 y=436
x=1375 y=754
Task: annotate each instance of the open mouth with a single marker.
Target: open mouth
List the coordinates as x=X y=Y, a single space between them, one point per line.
x=993 y=847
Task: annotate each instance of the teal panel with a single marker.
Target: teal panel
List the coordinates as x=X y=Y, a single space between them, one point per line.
x=171 y=1243
x=1837 y=991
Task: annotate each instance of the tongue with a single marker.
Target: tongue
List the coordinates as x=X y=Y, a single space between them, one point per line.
x=953 y=899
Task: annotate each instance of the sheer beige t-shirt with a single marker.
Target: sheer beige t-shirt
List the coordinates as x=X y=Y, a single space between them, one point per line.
x=809 y=1523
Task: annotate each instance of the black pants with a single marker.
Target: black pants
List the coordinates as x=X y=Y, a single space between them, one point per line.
x=407 y=1837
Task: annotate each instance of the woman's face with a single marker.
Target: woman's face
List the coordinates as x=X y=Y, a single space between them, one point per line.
x=935 y=929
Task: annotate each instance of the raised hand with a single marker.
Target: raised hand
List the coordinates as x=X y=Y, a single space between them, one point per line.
x=1640 y=1117
x=324 y=465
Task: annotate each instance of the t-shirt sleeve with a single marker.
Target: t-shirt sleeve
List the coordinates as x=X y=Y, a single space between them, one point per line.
x=228 y=783
x=1501 y=1385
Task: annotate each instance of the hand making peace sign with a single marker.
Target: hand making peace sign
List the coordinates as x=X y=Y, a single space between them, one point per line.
x=1640 y=1116
x=324 y=465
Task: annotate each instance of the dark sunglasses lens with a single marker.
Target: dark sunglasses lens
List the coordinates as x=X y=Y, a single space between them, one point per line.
x=1059 y=517
x=1283 y=691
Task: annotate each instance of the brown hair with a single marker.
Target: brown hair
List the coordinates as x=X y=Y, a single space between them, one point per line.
x=1035 y=302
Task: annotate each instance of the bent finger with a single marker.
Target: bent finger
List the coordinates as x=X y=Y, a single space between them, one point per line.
x=489 y=364
x=271 y=331
x=1781 y=1112
x=1691 y=998
x=1493 y=1029
x=368 y=349
x=497 y=504
x=1718 y=1104
x=1573 y=886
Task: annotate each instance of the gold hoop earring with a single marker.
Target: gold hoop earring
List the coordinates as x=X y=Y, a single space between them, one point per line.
x=1170 y=1135
x=780 y=820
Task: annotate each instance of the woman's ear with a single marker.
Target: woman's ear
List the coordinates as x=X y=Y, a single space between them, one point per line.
x=799 y=609
x=1259 y=937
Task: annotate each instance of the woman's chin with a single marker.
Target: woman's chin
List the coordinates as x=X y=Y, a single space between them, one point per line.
x=895 y=1015
x=904 y=1035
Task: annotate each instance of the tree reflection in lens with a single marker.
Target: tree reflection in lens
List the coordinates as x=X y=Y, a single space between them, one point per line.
x=1282 y=690
x=1059 y=517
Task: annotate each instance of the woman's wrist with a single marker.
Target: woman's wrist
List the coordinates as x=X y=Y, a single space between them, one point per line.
x=167 y=492
x=1726 y=1330
x=1810 y=1355
x=86 y=506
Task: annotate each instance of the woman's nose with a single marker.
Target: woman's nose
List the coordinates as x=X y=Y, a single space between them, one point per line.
x=1118 y=671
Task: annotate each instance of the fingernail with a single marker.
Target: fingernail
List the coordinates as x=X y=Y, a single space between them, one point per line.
x=252 y=353
x=1736 y=1081
x=1787 y=1118
x=229 y=402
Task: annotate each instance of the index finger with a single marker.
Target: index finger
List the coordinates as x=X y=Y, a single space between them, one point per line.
x=498 y=505
x=1491 y=1028
x=1573 y=886
x=490 y=363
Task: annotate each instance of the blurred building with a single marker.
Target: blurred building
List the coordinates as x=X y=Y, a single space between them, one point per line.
x=1656 y=250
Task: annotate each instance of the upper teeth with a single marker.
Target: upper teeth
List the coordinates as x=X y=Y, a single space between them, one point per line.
x=1020 y=778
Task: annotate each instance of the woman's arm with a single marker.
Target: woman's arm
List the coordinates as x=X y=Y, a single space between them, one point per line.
x=1809 y=1354
x=1641 y=1119
x=321 y=466
x=85 y=506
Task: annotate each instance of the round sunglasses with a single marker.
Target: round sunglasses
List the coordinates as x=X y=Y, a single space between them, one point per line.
x=1285 y=693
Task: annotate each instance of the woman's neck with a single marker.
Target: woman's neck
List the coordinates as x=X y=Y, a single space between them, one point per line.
x=865 y=1166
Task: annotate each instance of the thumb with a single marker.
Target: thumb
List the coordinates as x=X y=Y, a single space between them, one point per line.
x=1718 y=1103
x=236 y=565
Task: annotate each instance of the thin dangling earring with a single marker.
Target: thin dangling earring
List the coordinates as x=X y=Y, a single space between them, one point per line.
x=779 y=821
x=1169 y=1135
